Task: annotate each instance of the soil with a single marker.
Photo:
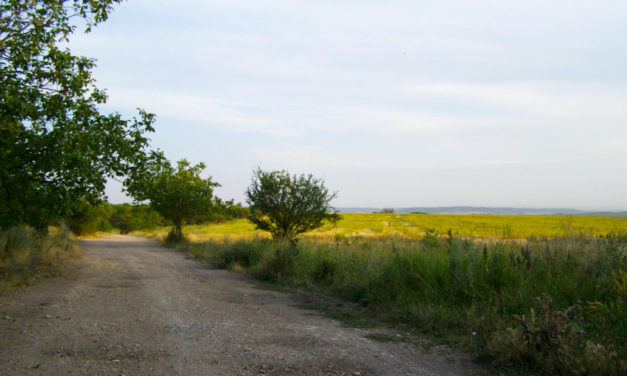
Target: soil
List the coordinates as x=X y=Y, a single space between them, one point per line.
x=132 y=307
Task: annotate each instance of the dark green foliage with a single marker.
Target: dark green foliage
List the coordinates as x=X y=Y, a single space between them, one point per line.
x=325 y=271
x=288 y=205
x=244 y=254
x=87 y=218
x=222 y=211
x=228 y=210
x=56 y=147
x=178 y=194
x=128 y=218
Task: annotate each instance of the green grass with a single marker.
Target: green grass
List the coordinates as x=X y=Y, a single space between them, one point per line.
x=545 y=293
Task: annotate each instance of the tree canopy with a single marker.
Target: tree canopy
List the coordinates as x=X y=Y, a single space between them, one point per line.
x=178 y=194
x=56 y=146
x=287 y=205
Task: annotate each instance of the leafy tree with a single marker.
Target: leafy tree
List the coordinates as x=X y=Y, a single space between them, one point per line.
x=56 y=147
x=178 y=194
x=287 y=205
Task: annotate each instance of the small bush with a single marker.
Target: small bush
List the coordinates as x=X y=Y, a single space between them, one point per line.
x=430 y=239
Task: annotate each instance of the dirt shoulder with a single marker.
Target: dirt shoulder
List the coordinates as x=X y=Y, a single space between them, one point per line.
x=132 y=307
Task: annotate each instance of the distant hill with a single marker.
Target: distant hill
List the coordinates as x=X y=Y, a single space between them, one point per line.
x=485 y=210
x=622 y=214
x=490 y=210
x=359 y=210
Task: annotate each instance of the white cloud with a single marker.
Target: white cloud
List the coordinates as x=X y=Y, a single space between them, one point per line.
x=196 y=109
x=539 y=100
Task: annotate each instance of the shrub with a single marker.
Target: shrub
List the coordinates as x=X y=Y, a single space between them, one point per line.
x=288 y=205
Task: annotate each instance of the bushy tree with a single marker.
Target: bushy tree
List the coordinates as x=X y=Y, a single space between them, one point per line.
x=178 y=194
x=287 y=205
x=56 y=147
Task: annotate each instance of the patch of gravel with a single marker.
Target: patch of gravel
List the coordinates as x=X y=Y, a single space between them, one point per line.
x=132 y=307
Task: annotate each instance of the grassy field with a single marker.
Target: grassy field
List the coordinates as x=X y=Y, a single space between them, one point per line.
x=543 y=293
x=414 y=226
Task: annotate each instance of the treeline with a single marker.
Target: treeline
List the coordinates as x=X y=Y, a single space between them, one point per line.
x=125 y=218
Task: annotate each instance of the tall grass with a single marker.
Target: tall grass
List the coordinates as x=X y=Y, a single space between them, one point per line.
x=555 y=305
x=26 y=255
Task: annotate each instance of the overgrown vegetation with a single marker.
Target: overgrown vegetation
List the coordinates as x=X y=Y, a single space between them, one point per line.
x=25 y=255
x=87 y=218
x=128 y=218
x=549 y=305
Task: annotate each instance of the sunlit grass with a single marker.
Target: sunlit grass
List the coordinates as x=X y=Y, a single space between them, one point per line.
x=414 y=226
x=501 y=226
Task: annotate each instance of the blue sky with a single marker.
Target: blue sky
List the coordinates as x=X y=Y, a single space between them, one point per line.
x=395 y=104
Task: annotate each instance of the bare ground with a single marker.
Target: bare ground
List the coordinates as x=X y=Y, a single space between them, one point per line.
x=132 y=307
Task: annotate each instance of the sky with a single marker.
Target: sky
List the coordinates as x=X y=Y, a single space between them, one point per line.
x=393 y=103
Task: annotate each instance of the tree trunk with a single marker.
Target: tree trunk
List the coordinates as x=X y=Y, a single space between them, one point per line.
x=178 y=230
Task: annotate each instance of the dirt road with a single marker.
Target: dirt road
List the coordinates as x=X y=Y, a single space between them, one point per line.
x=132 y=307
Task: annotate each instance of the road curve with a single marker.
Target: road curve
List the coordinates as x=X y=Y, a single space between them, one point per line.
x=132 y=307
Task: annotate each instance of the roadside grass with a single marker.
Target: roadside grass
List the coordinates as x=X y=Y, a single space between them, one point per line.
x=549 y=304
x=26 y=256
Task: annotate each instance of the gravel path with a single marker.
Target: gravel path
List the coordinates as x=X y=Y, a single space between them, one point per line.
x=132 y=307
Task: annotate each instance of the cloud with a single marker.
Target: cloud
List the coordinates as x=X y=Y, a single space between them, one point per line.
x=233 y=116
x=535 y=100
